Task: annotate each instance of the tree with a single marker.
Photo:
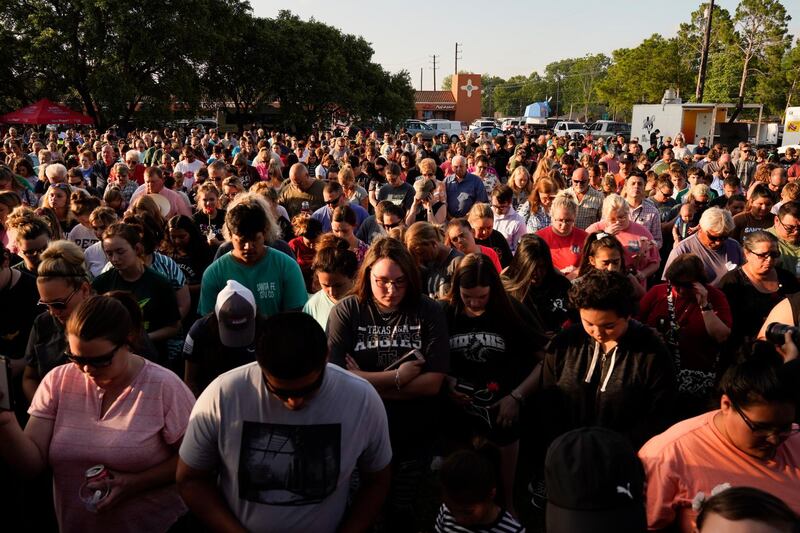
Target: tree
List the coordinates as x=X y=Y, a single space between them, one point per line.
x=792 y=69
x=112 y=56
x=721 y=72
x=762 y=27
x=641 y=74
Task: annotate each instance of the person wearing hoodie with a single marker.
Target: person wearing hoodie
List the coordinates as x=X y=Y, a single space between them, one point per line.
x=609 y=370
x=507 y=221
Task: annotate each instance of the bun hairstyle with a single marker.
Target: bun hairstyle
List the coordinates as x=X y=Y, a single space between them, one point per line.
x=101 y=317
x=335 y=257
x=63 y=260
x=129 y=232
x=27 y=224
x=150 y=229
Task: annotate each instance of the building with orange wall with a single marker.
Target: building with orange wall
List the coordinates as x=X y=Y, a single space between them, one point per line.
x=462 y=102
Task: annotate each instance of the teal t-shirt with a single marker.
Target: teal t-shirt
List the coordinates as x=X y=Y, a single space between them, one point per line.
x=319 y=306
x=276 y=282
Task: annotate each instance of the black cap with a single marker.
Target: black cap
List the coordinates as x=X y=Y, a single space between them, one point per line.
x=625 y=157
x=595 y=484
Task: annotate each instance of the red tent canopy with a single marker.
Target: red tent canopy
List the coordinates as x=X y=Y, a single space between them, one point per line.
x=45 y=112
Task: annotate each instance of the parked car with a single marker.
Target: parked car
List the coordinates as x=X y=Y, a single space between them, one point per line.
x=604 y=129
x=492 y=131
x=511 y=123
x=452 y=128
x=482 y=123
x=569 y=129
x=413 y=127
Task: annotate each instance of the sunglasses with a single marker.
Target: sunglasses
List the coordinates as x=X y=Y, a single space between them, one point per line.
x=332 y=201
x=391 y=226
x=764 y=255
x=716 y=238
x=59 y=305
x=286 y=394
x=101 y=361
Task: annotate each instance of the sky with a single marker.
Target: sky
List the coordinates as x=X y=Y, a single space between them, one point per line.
x=405 y=35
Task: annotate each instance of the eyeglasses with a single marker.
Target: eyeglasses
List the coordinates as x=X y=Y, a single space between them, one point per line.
x=333 y=201
x=772 y=254
x=390 y=226
x=500 y=206
x=765 y=430
x=101 y=361
x=59 y=305
x=383 y=283
x=789 y=228
x=578 y=182
x=303 y=392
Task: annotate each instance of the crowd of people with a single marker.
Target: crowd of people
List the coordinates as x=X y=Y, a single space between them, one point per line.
x=349 y=331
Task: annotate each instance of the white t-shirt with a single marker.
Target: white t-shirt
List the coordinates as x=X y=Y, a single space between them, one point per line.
x=189 y=170
x=95 y=259
x=82 y=236
x=287 y=470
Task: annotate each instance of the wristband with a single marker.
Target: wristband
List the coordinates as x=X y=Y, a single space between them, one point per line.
x=397 y=378
x=514 y=394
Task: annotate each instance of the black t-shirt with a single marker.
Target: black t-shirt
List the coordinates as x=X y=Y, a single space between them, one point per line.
x=375 y=340
x=436 y=276
x=204 y=347
x=19 y=308
x=550 y=302
x=204 y=222
x=499 y=244
x=152 y=291
x=422 y=213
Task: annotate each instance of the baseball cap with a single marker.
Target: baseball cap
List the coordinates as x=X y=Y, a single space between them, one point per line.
x=626 y=158
x=236 y=314
x=595 y=484
x=424 y=187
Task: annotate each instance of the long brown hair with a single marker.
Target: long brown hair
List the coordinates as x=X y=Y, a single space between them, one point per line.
x=388 y=248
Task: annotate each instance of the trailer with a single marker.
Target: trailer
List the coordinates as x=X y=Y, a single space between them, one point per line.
x=791 y=127
x=693 y=121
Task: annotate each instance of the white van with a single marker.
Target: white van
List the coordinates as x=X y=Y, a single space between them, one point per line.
x=452 y=128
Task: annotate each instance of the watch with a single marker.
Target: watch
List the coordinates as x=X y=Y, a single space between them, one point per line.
x=707 y=307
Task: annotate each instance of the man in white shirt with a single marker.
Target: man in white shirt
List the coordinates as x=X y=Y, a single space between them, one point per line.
x=272 y=445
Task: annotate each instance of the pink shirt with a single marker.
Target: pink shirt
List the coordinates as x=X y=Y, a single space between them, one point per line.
x=640 y=248
x=177 y=205
x=142 y=428
x=692 y=456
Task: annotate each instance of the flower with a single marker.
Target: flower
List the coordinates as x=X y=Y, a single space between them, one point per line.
x=492 y=386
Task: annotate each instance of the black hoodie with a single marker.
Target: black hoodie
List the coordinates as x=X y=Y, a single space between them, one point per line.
x=631 y=390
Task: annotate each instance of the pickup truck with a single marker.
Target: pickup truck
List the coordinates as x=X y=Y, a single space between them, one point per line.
x=567 y=128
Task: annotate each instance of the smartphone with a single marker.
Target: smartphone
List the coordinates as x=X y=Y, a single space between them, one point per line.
x=465 y=388
x=7 y=400
x=412 y=355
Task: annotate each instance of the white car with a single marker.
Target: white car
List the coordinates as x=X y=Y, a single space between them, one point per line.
x=782 y=149
x=452 y=128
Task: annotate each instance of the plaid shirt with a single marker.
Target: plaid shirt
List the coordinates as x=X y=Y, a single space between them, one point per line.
x=648 y=216
x=589 y=209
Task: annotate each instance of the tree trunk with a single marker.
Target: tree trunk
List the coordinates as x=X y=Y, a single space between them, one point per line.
x=91 y=110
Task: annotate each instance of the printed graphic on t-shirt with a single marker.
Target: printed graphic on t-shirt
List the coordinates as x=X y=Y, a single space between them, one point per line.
x=288 y=465
x=389 y=341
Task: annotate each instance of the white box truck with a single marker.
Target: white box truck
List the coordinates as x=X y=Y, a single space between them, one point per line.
x=694 y=121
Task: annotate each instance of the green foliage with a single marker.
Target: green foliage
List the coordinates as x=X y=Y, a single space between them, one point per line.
x=641 y=74
x=141 y=61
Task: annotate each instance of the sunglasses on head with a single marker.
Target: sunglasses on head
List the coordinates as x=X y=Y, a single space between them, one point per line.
x=100 y=361
x=303 y=392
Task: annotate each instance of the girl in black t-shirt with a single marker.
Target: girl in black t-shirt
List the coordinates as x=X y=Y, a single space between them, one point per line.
x=209 y=217
x=494 y=343
x=190 y=250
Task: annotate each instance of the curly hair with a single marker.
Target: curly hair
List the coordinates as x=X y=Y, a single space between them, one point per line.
x=603 y=290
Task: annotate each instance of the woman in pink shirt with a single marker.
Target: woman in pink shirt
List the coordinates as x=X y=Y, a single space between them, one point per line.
x=109 y=407
x=641 y=253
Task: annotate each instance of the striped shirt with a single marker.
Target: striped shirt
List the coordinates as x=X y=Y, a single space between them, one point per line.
x=505 y=523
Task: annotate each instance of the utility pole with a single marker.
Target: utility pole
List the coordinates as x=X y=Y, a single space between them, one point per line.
x=701 y=76
x=420 y=77
x=455 y=67
x=434 y=56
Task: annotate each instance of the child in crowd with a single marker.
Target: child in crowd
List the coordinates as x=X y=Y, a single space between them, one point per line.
x=307 y=230
x=82 y=206
x=682 y=227
x=469 y=484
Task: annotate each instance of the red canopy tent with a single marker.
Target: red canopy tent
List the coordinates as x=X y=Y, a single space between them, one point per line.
x=45 y=112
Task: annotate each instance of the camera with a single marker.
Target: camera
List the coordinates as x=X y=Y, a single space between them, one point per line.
x=776 y=333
